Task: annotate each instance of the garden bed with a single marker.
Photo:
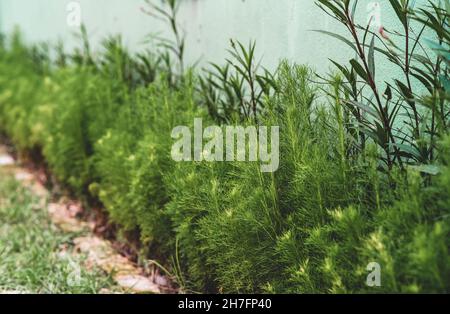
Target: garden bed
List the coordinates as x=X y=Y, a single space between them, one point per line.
x=362 y=189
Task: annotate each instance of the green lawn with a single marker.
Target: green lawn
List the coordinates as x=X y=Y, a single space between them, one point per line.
x=36 y=257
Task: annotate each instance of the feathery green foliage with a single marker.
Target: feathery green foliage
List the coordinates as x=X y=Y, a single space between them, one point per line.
x=104 y=126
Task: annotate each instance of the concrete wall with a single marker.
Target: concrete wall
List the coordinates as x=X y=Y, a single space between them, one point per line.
x=280 y=27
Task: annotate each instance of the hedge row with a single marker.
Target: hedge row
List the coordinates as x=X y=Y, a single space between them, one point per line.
x=311 y=227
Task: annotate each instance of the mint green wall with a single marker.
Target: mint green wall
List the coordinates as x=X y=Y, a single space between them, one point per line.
x=280 y=27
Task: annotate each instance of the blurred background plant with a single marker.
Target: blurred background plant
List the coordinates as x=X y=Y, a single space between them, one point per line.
x=237 y=91
x=168 y=13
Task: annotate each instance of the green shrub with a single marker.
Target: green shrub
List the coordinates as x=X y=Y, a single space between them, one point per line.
x=19 y=92
x=313 y=226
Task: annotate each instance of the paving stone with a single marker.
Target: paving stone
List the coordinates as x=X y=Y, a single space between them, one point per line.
x=6 y=161
x=101 y=254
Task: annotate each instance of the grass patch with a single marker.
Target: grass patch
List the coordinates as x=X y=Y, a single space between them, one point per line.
x=35 y=257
